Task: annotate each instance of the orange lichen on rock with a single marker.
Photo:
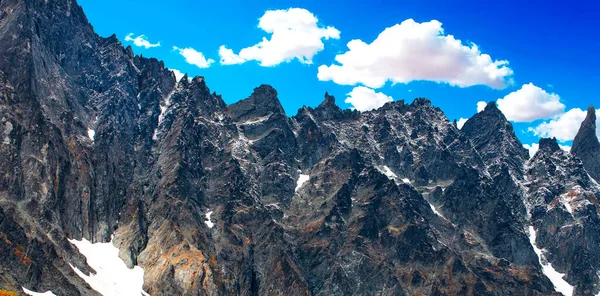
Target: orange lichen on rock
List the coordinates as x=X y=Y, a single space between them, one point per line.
x=24 y=259
x=8 y=293
x=5 y=238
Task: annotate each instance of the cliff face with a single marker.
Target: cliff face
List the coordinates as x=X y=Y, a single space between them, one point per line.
x=95 y=142
x=586 y=146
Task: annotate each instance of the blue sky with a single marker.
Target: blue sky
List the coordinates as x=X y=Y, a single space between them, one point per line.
x=551 y=50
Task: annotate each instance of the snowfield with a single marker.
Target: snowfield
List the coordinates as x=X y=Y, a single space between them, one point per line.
x=113 y=277
x=555 y=277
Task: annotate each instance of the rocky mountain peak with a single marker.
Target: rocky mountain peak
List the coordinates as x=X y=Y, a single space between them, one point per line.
x=549 y=145
x=494 y=137
x=586 y=146
x=262 y=102
x=328 y=110
x=421 y=102
x=492 y=107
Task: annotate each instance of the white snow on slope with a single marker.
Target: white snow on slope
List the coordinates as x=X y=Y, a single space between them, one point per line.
x=91 y=133
x=555 y=277
x=301 y=181
x=31 y=293
x=436 y=211
x=391 y=175
x=256 y=120
x=161 y=116
x=388 y=172
x=113 y=277
x=209 y=222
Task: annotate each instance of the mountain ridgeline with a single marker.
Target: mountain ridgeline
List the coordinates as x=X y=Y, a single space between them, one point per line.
x=101 y=144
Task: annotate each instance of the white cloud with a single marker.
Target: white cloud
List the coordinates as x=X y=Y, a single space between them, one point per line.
x=565 y=147
x=365 y=99
x=141 y=41
x=565 y=126
x=228 y=57
x=481 y=106
x=530 y=103
x=416 y=51
x=533 y=148
x=194 y=57
x=295 y=34
x=461 y=122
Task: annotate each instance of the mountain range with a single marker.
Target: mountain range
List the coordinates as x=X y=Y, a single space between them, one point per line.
x=99 y=145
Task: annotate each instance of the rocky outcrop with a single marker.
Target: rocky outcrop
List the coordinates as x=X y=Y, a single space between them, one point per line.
x=563 y=203
x=495 y=140
x=586 y=145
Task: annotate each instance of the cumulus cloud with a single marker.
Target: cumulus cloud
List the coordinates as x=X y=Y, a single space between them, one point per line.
x=416 y=51
x=481 y=106
x=228 y=57
x=565 y=126
x=461 y=122
x=141 y=41
x=194 y=57
x=295 y=34
x=530 y=103
x=365 y=99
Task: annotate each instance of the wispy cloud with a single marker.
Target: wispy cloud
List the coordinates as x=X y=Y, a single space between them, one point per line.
x=194 y=57
x=141 y=41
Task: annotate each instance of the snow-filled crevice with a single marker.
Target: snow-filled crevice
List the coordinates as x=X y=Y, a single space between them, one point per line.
x=91 y=134
x=163 y=110
x=560 y=285
x=301 y=180
x=208 y=221
x=31 y=293
x=113 y=277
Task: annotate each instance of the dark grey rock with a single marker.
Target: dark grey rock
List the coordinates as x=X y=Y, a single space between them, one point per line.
x=586 y=145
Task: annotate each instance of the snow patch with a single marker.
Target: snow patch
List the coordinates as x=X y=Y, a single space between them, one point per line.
x=112 y=277
x=435 y=210
x=209 y=222
x=388 y=172
x=163 y=110
x=303 y=179
x=555 y=277
x=31 y=293
x=406 y=181
x=8 y=127
x=91 y=134
x=256 y=120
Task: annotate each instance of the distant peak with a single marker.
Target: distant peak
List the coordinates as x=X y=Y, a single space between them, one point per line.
x=198 y=79
x=184 y=81
x=491 y=106
x=591 y=114
x=549 y=144
x=422 y=102
x=329 y=100
x=265 y=89
x=262 y=101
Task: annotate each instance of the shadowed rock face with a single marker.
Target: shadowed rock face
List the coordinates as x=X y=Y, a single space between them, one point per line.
x=586 y=145
x=398 y=201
